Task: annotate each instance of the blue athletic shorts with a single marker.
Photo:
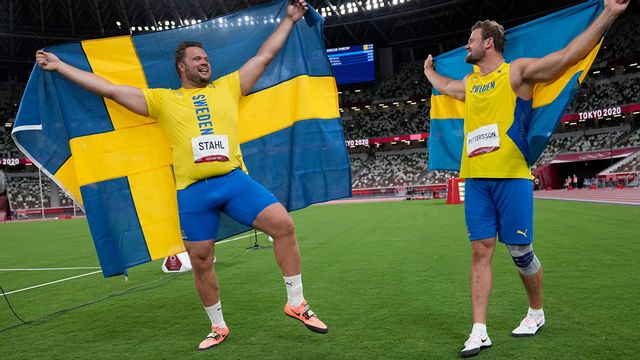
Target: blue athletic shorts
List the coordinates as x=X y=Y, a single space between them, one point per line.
x=499 y=206
x=236 y=194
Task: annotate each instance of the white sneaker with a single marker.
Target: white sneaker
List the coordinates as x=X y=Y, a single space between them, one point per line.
x=529 y=326
x=474 y=344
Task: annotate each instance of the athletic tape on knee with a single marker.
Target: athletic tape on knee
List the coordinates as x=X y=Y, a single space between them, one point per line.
x=524 y=258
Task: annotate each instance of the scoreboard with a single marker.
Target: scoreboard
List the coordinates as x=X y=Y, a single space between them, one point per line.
x=353 y=64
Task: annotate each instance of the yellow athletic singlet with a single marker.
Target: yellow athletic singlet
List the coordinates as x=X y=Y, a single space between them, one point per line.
x=202 y=126
x=495 y=126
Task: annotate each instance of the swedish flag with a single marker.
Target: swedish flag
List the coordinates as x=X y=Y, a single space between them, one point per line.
x=118 y=164
x=533 y=39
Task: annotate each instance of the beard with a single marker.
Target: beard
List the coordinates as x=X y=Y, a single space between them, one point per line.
x=197 y=78
x=470 y=59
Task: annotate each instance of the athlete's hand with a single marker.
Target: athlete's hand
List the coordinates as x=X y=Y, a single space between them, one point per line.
x=296 y=9
x=428 y=64
x=47 y=61
x=617 y=7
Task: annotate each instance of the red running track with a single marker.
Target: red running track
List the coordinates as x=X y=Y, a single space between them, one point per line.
x=626 y=196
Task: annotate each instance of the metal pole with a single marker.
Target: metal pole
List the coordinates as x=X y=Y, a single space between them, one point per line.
x=41 y=196
x=610 y=150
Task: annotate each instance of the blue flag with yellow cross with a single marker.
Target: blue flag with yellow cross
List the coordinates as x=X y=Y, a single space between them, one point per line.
x=118 y=164
x=534 y=39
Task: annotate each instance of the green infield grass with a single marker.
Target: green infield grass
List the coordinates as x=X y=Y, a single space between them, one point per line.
x=391 y=280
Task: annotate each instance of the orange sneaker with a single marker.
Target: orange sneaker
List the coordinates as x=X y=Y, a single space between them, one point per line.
x=307 y=316
x=215 y=337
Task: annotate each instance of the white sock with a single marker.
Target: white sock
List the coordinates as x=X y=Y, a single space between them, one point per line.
x=215 y=315
x=534 y=312
x=479 y=329
x=293 y=284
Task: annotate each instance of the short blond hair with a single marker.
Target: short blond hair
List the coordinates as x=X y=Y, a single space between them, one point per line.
x=491 y=29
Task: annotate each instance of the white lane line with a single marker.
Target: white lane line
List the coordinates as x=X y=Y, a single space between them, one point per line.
x=52 y=282
x=54 y=269
x=238 y=238
x=95 y=272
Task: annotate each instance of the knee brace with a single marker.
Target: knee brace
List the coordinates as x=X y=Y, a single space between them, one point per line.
x=524 y=258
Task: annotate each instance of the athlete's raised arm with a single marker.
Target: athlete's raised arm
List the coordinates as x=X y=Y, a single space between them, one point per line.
x=532 y=70
x=445 y=85
x=130 y=97
x=250 y=72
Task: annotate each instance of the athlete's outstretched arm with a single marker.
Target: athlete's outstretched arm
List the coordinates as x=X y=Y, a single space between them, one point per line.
x=445 y=85
x=250 y=72
x=130 y=97
x=551 y=66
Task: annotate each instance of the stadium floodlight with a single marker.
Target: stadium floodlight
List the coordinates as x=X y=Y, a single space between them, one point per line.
x=166 y=23
x=133 y=28
x=118 y=23
x=146 y=28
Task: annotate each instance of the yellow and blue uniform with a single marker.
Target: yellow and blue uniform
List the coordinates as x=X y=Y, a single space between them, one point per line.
x=498 y=190
x=202 y=127
x=185 y=114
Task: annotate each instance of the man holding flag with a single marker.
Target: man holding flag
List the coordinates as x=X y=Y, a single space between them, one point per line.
x=201 y=122
x=499 y=194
